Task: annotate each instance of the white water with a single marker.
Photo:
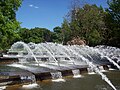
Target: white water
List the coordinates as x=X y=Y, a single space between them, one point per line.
x=61 y=46
x=33 y=83
x=113 y=62
x=76 y=73
x=23 y=77
x=57 y=77
x=19 y=66
x=32 y=78
x=53 y=51
x=110 y=67
x=30 y=86
x=3 y=87
x=58 y=80
x=28 y=50
x=49 y=53
x=90 y=71
x=94 y=68
x=102 y=69
x=107 y=55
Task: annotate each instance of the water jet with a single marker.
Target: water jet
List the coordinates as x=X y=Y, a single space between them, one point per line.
x=54 y=61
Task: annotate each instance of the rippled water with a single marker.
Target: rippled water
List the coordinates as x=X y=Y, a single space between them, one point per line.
x=87 y=82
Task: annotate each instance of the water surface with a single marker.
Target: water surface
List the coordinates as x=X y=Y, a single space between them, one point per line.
x=87 y=82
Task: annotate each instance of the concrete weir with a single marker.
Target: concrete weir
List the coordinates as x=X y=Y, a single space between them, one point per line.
x=15 y=77
x=18 y=74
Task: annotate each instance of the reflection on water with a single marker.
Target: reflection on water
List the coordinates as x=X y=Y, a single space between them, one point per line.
x=89 y=82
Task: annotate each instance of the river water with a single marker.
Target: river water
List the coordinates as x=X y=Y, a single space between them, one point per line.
x=86 y=82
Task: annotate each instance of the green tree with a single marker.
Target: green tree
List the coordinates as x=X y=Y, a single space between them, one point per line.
x=8 y=23
x=35 y=35
x=114 y=10
x=57 y=35
x=92 y=19
x=86 y=22
x=24 y=34
x=112 y=20
x=66 y=31
x=47 y=35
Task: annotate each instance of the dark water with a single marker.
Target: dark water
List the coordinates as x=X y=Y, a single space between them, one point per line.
x=87 y=82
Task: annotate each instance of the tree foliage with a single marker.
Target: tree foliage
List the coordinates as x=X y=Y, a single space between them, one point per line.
x=66 y=31
x=57 y=35
x=86 y=22
x=94 y=24
x=35 y=35
x=8 y=23
x=112 y=21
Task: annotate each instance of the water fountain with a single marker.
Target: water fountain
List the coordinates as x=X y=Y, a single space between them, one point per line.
x=90 y=71
x=57 y=77
x=101 y=69
x=2 y=87
x=94 y=68
x=52 y=59
x=50 y=53
x=111 y=53
x=33 y=83
x=31 y=78
x=76 y=73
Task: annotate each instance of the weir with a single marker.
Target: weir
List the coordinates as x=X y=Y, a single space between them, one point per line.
x=53 y=61
x=57 y=76
x=90 y=71
x=76 y=73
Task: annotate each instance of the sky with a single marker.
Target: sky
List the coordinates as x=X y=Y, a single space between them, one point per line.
x=47 y=13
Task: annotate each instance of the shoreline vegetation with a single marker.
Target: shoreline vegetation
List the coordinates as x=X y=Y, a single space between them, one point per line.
x=96 y=25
